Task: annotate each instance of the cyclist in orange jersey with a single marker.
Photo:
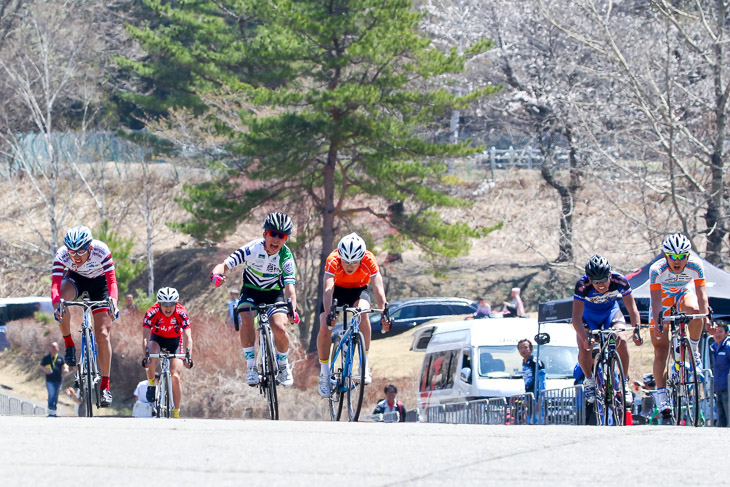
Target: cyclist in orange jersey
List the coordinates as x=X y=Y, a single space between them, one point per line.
x=348 y=271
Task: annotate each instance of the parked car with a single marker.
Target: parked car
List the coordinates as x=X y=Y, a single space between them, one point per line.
x=408 y=313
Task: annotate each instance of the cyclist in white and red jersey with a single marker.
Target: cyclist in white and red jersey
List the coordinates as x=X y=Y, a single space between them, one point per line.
x=269 y=275
x=166 y=326
x=676 y=280
x=85 y=265
x=348 y=270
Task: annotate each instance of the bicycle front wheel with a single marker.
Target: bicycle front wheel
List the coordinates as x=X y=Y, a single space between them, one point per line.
x=599 y=404
x=615 y=394
x=689 y=387
x=268 y=376
x=338 y=359
x=354 y=381
x=167 y=395
x=87 y=375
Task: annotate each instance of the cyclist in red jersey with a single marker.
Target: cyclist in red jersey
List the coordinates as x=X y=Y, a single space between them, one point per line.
x=348 y=270
x=85 y=266
x=166 y=325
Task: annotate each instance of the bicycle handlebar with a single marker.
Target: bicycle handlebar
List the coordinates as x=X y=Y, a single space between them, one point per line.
x=167 y=355
x=685 y=318
x=86 y=303
x=334 y=309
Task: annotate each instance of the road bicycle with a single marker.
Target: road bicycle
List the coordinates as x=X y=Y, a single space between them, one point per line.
x=348 y=362
x=164 y=403
x=683 y=378
x=609 y=407
x=266 y=363
x=87 y=374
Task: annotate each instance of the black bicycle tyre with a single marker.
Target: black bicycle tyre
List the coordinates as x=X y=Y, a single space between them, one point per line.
x=336 y=393
x=87 y=375
x=599 y=402
x=355 y=386
x=168 y=395
x=268 y=377
x=689 y=384
x=616 y=399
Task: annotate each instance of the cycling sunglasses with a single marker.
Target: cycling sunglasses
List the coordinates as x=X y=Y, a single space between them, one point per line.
x=600 y=281
x=677 y=256
x=79 y=252
x=275 y=234
x=354 y=262
x=165 y=303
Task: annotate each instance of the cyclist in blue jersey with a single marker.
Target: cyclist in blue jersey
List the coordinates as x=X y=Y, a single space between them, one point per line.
x=269 y=276
x=595 y=307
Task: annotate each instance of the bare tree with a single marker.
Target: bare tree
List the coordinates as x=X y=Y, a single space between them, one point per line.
x=46 y=65
x=670 y=62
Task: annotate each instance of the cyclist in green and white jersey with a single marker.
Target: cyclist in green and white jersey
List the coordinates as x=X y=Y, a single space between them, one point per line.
x=269 y=277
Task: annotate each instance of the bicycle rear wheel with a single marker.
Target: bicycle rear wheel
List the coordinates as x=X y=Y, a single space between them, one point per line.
x=615 y=396
x=689 y=387
x=268 y=376
x=161 y=399
x=336 y=372
x=354 y=381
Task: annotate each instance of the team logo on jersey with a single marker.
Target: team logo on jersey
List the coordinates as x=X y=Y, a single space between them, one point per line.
x=603 y=298
x=271 y=268
x=289 y=267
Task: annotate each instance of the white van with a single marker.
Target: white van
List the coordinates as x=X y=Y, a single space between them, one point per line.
x=476 y=359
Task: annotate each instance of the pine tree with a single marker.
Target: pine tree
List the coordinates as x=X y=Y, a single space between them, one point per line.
x=341 y=109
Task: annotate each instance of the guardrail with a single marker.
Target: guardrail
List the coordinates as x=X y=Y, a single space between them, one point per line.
x=10 y=405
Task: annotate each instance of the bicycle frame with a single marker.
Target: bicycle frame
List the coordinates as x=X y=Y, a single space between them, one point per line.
x=683 y=381
x=343 y=384
x=164 y=403
x=610 y=404
x=87 y=375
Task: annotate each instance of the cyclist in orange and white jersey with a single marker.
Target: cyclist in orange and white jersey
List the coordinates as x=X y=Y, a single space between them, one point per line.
x=347 y=272
x=676 y=280
x=85 y=265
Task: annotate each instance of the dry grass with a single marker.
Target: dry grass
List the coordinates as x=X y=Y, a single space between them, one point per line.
x=215 y=387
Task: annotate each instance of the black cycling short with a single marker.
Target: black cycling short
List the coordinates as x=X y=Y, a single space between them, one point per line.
x=250 y=298
x=348 y=296
x=94 y=287
x=172 y=345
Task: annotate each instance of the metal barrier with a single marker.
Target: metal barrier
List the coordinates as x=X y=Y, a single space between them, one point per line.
x=556 y=406
x=561 y=406
x=521 y=409
x=13 y=406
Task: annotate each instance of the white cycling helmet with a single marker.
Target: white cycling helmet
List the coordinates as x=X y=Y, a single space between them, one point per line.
x=351 y=248
x=676 y=244
x=168 y=295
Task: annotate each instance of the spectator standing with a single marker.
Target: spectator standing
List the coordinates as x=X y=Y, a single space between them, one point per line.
x=531 y=368
x=53 y=366
x=232 y=315
x=129 y=305
x=515 y=308
x=391 y=403
x=721 y=354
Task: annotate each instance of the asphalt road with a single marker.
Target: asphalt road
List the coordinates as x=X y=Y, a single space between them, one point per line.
x=134 y=452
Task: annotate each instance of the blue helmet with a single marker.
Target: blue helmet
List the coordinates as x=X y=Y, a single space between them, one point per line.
x=78 y=238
